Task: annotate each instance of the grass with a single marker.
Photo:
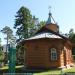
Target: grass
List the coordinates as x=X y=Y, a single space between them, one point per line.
x=52 y=72
x=45 y=72
x=6 y=67
x=70 y=70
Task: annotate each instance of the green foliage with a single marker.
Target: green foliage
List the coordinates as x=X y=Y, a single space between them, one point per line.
x=0 y=43
x=10 y=40
x=1 y=55
x=7 y=30
x=34 y=27
x=26 y=24
x=22 y=22
x=42 y=23
x=72 y=36
x=1 y=52
x=9 y=34
x=71 y=33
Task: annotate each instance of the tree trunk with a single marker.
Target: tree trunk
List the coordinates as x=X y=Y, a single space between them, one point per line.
x=7 y=50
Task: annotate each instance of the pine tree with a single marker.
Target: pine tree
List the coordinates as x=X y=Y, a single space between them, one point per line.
x=23 y=22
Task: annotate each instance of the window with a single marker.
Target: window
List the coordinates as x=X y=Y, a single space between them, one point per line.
x=53 y=54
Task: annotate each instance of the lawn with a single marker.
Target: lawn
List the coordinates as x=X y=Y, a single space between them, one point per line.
x=19 y=69
x=57 y=72
x=52 y=72
x=6 y=67
x=70 y=70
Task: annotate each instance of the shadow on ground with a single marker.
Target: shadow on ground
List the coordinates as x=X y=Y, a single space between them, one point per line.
x=23 y=70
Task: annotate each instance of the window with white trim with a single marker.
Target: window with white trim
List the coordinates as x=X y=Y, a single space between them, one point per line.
x=53 y=54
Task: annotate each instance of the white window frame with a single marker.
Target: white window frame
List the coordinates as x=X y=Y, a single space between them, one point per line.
x=53 y=54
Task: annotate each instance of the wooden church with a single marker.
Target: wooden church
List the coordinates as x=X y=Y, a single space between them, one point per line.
x=47 y=48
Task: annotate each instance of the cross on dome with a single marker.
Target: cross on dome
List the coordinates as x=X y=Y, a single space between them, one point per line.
x=50 y=17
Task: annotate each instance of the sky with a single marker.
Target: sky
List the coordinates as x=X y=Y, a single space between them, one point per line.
x=63 y=12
